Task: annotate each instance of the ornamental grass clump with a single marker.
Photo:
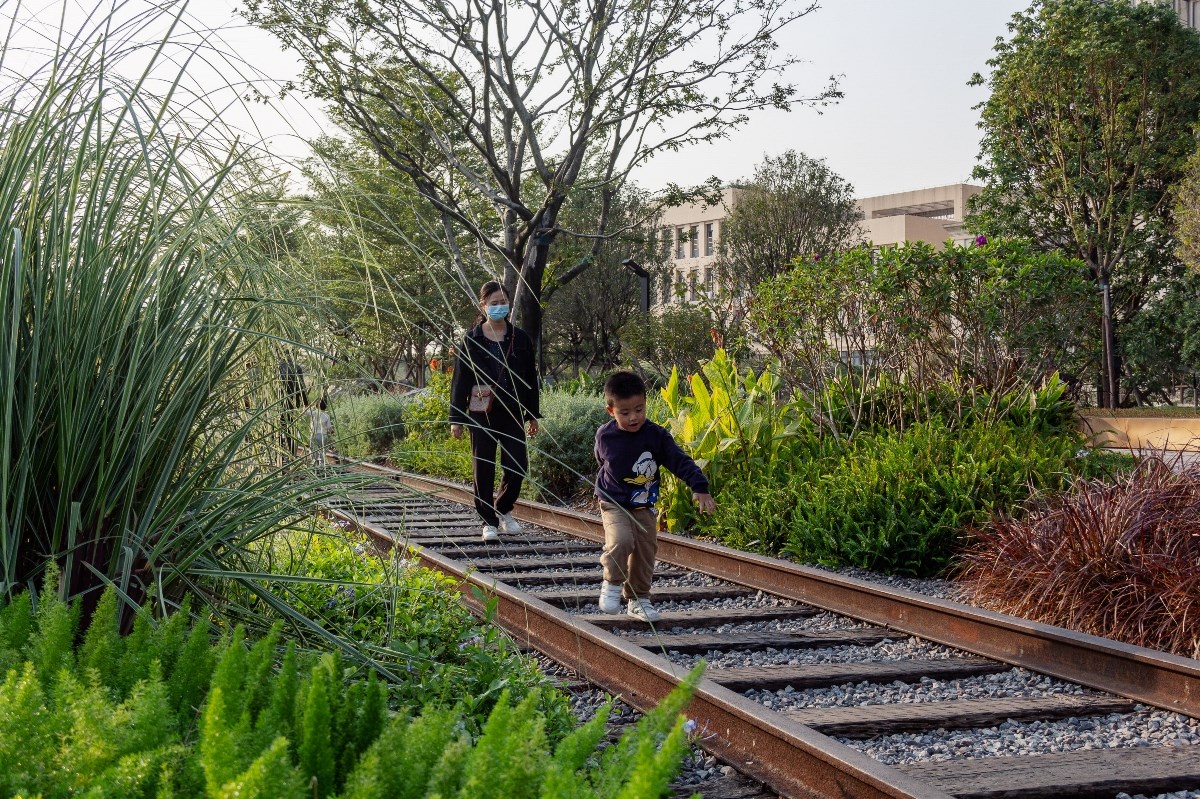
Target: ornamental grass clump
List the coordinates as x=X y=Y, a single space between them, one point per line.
x=1118 y=559
x=139 y=426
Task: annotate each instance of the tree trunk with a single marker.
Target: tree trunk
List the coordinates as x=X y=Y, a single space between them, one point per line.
x=528 y=295
x=1110 y=350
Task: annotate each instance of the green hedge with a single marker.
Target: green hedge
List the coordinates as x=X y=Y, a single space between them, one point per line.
x=164 y=712
x=899 y=502
x=899 y=495
x=562 y=460
x=891 y=501
x=367 y=425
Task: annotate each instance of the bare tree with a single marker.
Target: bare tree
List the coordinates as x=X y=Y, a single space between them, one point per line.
x=509 y=99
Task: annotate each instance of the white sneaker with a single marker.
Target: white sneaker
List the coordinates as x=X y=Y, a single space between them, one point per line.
x=490 y=533
x=509 y=525
x=642 y=609
x=610 y=598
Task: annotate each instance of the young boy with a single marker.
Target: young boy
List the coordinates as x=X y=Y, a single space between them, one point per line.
x=630 y=451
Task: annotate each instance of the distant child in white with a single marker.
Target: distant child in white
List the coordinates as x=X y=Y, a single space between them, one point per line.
x=322 y=432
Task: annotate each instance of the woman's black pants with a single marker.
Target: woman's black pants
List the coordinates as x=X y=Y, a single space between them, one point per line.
x=489 y=431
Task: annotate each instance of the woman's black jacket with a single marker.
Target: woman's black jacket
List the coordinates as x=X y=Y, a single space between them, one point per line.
x=477 y=364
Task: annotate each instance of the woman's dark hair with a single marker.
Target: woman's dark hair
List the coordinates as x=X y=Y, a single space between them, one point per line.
x=491 y=287
x=486 y=290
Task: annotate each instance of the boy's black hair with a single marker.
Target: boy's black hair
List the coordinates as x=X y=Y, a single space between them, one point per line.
x=623 y=385
x=322 y=405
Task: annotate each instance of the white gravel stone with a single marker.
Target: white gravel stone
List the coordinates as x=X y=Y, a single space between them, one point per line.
x=1038 y=737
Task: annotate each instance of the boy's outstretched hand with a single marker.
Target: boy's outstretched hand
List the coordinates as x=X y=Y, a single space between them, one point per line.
x=704 y=502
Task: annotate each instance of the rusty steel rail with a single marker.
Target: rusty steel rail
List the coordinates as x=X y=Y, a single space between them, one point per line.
x=1154 y=678
x=788 y=757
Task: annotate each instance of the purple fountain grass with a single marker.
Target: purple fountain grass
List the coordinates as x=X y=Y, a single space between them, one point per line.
x=1119 y=559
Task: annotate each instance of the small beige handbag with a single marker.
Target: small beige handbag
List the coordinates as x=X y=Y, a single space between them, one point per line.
x=481 y=399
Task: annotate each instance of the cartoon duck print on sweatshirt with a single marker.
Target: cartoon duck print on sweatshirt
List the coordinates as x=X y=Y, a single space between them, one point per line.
x=645 y=470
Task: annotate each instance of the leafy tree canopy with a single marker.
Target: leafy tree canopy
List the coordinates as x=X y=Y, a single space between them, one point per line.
x=793 y=206
x=508 y=101
x=380 y=261
x=995 y=318
x=1088 y=126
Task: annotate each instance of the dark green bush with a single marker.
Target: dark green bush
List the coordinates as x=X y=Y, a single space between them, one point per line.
x=366 y=426
x=888 y=485
x=899 y=502
x=562 y=459
x=888 y=405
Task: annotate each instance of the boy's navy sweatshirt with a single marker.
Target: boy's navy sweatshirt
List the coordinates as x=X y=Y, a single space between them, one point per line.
x=629 y=464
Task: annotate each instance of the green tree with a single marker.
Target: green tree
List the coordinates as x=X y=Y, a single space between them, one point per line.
x=1187 y=212
x=995 y=318
x=793 y=206
x=586 y=309
x=679 y=337
x=513 y=102
x=1162 y=344
x=1088 y=126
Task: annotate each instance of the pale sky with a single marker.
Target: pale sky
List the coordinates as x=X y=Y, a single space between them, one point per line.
x=906 y=121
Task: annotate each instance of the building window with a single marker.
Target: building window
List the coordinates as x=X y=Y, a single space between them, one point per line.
x=708 y=238
x=665 y=282
x=695 y=239
x=680 y=238
x=691 y=286
x=708 y=281
x=666 y=243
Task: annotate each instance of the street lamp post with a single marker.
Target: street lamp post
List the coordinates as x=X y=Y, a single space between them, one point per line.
x=644 y=279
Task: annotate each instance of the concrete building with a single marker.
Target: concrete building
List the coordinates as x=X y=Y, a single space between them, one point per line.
x=691 y=234
x=932 y=215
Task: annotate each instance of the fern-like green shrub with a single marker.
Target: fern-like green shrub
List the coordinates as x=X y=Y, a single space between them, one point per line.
x=367 y=426
x=271 y=724
x=562 y=459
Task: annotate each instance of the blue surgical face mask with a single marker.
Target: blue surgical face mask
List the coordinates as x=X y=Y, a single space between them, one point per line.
x=496 y=312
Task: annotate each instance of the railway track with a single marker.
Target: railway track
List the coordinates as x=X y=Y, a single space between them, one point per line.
x=723 y=603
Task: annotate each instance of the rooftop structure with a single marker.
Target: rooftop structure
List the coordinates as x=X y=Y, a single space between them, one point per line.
x=932 y=215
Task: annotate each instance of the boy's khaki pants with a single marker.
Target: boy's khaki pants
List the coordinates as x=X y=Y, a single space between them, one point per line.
x=630 y=544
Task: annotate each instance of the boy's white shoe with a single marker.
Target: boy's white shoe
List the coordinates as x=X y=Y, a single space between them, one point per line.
x=642 y=609
x=610 y=598
x=490 y=533
x=509 y=525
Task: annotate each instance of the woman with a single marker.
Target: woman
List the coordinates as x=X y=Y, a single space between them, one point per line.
x=494 y=394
